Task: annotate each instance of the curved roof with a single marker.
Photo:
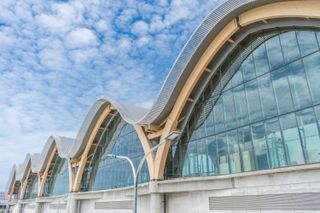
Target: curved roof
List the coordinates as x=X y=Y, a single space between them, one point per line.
x=37 y=162
x=180 y=71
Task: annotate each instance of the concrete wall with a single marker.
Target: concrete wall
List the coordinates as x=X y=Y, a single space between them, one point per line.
x=192 y=194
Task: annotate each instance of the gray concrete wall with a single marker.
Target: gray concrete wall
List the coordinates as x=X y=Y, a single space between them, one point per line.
x=192 y=194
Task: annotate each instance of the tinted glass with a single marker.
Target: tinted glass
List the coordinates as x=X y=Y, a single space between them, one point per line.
x=276 y=146
x=265 y=117
x=291 y=139
x=307 y=41
x=106 y=172
x=308 y=128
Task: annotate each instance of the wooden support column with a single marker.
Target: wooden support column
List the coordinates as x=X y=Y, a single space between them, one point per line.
x=71 y=175
x=146 y=144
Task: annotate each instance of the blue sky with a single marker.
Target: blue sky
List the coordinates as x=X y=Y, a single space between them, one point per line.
x=57 y=57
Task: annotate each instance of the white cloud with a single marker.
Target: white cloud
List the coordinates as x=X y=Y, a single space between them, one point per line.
x=140 y=28
x=80 y=38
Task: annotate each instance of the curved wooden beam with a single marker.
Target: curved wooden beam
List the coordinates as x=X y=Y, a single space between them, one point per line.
x=146 y=144
x=200 y=67
x=84 y=156
x=288 y=9
x=24 y=184
x=43 y=177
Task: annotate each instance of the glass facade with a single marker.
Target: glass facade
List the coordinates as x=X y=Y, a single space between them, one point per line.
x=31 y=190
x=57 y=182
x=260 y=112
x=119 y=138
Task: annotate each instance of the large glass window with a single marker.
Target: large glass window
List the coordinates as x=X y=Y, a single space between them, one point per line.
x=57 y=182
x=31 y=190
x=264 y=114
x=119 y=138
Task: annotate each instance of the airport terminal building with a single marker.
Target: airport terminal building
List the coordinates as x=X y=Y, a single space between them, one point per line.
x=245 y=95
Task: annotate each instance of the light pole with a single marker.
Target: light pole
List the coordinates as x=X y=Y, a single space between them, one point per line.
x=171 y=136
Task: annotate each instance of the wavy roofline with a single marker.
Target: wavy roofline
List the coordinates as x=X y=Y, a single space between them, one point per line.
x=179 y=72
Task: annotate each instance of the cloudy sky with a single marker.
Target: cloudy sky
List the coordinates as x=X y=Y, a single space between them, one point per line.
x=57 y=57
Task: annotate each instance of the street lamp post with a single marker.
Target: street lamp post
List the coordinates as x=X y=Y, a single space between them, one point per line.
x=171 y=136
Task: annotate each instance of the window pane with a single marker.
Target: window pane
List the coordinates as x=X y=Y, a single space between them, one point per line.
x=268 y=101
x=234 y=154
x=298 y=84
x=62 y=177
x=282 y=90
x=254 y=106
x=312 y=67
x=202 y=157
x=210 y=124
x=223 y=154
x=260 y=146
x=229 y=110
x=275 y=144
x=219 y=115
x=307 y=41
x=274 y=52
x=291 y=139
x=318 y=37
x=261 y=60
x=289 y=46
x=247 y=68
x=191 y=160
x=237 y=78
x=309 y=134
x=247 y=154
x=317 y=111
x=213 y=157
x=241 y=105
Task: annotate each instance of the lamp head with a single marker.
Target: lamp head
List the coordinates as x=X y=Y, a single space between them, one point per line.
x=173 y=135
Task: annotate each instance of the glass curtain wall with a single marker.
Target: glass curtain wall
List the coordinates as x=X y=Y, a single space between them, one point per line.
x=57 y=182
x=32 y=187
x=263 y=113
x=119 y=138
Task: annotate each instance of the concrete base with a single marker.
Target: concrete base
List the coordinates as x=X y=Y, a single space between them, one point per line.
x=193 y=194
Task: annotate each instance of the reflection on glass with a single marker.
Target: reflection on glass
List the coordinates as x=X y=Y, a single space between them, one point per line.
x=268 y=102
x=253 y=99
x=109 y=173
x=264 y=117
x=234 y=153
x=241 y=105
x=246 y=147
x=291 y=139
x=223 y=154
x=275 y=144
x=307 y=41
x=260 y=146
x=57 y=181
x=274 y=52
x=282 y=90
x=219 y=115
x=261 y=60
x=312 y=67
x=213 y=159
x=229 y=110
x=247 y=68
x=31 y=190
x=298 y=84
x=308 y=128
x=290 y=46
x=61 y=184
